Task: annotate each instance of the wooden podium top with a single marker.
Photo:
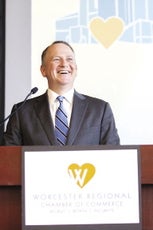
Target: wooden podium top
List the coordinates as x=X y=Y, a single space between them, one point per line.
x=146 y=152
x=10 y=165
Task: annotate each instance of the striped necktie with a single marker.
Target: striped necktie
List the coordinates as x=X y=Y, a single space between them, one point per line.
x=61 y=123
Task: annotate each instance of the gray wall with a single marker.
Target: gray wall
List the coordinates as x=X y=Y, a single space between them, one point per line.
x=18 y=52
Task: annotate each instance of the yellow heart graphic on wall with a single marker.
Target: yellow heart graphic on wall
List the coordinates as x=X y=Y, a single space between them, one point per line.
x=81 y=174
x=106 y=31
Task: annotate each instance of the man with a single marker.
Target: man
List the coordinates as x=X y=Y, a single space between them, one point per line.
x=90 y=121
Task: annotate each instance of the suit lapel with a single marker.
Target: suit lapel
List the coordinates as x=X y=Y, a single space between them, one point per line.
x=78 y=113
x=42 y=110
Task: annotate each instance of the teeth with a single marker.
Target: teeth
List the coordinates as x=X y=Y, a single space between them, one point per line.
x=63 y=71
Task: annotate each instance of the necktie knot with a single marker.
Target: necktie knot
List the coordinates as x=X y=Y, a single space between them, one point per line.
x=60 y=99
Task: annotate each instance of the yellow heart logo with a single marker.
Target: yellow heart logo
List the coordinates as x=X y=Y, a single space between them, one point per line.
x=106 y=32
x=81 y=174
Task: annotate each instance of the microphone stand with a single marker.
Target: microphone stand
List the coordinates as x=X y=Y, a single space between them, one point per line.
x=33 y=91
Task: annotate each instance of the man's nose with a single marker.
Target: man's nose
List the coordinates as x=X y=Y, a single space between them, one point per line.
x=63 y=62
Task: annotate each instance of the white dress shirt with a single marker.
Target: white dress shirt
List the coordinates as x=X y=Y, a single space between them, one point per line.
x=54 y=103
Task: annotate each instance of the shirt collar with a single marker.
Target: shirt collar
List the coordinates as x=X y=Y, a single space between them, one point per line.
x=68 y=96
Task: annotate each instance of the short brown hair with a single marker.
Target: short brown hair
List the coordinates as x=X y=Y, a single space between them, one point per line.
x=55 y=42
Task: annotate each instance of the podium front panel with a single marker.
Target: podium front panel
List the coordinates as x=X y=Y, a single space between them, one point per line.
x=81 y=188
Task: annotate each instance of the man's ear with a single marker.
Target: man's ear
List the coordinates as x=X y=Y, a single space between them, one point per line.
x=42 y=69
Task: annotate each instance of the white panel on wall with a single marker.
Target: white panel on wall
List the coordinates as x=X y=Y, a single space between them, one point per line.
x=18 y=52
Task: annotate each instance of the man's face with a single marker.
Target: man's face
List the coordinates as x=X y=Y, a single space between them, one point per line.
x=59 y=67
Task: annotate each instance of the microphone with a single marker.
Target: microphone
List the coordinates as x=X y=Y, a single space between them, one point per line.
x=33 y=91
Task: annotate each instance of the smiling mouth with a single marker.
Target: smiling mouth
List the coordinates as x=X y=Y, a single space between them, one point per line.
x=63 y=72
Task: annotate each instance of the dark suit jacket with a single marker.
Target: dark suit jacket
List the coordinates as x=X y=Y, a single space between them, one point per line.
x=92 y=123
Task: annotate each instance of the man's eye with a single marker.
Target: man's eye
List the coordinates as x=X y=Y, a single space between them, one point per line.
x=55 y=59
x=70 y=59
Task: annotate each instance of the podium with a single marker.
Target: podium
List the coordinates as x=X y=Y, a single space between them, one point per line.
x=10 y=187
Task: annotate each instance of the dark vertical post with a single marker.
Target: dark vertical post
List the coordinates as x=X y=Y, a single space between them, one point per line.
x=2 y=64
